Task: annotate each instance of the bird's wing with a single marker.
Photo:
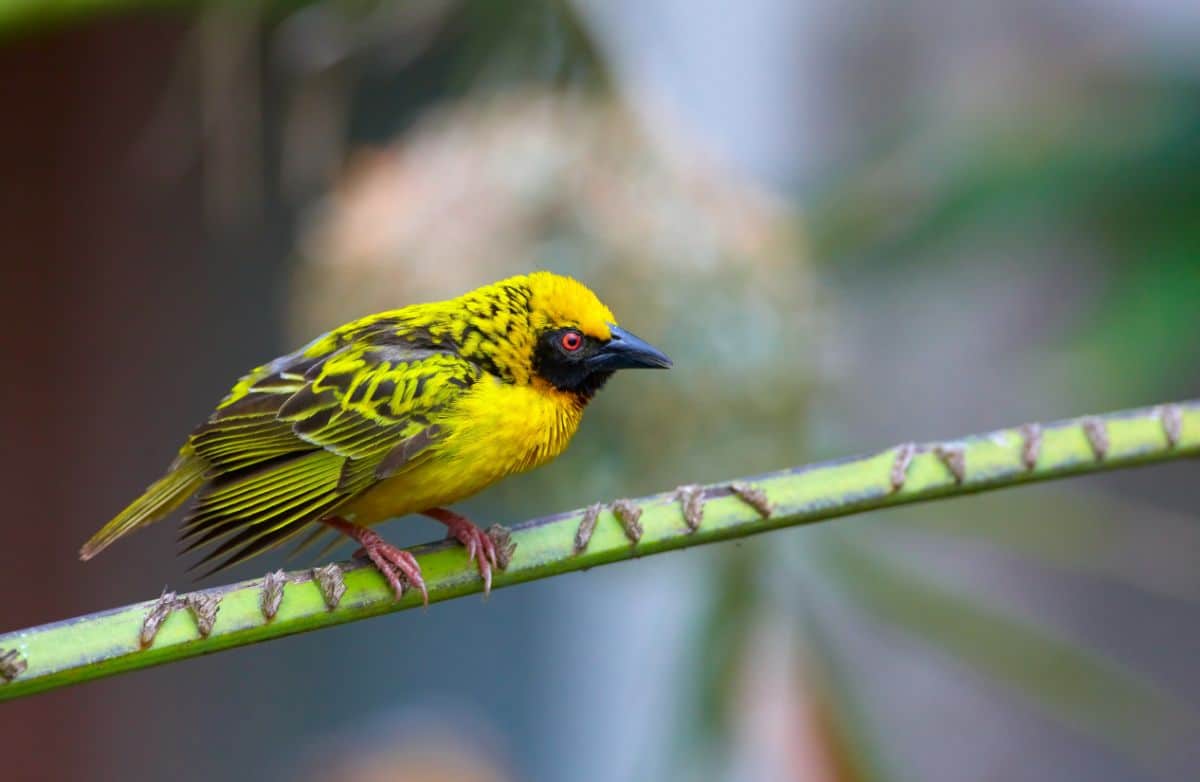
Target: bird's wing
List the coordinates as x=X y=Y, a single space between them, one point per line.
x=301 y=435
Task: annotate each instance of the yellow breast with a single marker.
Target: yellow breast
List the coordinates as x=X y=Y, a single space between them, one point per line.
x=496 y=430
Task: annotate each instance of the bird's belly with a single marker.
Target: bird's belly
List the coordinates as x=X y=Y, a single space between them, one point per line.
x=493 y=432
x=432 y=484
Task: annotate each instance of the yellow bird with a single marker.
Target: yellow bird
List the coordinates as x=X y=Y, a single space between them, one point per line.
x=404 y=411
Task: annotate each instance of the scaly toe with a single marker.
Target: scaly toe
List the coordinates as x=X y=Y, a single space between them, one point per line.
x=483 y=552
x=389 y=571
x=407 y=564
x=395 y=562
x=397 y=565
x=479 y=545
x=489 y=546
x=412 y=571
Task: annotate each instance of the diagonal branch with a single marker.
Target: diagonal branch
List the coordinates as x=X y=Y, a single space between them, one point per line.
x=176 y=627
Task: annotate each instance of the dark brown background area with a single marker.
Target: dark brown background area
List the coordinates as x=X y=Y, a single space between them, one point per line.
x=114 y=299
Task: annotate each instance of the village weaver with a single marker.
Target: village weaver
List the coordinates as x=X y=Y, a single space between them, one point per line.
x=401 y=412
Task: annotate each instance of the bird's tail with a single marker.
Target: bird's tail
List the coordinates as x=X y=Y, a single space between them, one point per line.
x=166 y=494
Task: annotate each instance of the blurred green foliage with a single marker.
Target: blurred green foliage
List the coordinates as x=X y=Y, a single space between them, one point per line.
x=1113 y=166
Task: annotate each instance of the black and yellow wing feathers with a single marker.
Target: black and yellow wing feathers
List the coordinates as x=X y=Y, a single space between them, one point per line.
x=310 y=434
x=301 y=435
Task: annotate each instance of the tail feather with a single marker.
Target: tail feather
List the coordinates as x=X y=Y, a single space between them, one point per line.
x=166 y=494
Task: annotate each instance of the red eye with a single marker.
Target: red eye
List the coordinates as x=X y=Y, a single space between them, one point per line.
x=571 y=340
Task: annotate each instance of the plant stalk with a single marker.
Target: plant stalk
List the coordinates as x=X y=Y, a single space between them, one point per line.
x=176 y=627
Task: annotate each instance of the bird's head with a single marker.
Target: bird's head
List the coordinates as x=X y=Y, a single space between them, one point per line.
x=577 y=343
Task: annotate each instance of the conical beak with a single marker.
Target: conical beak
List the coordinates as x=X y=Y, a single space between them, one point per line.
x=627 y=351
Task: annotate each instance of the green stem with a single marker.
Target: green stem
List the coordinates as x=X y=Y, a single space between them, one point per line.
x=110 y=642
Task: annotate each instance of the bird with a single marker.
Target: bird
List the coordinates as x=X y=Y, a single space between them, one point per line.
x=402 y=412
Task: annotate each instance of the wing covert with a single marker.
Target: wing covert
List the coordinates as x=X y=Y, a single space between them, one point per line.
x=302 y=434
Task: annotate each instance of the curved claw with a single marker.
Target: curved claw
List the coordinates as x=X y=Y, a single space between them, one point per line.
x=480 y=547
x=396 y=565
x=406 y=563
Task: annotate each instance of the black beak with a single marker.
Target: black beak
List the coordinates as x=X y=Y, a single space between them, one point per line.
x=626 y=351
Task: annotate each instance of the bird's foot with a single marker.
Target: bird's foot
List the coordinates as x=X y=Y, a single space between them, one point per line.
x=480 y=546
x=396 y=564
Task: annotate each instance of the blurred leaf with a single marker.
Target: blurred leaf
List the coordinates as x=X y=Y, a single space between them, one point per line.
x=740 y=603
x=1095 y=534
x=1150 y=301
x=865 y=757
x=1121 y=154
x=1114 y=167
x=717 y=652
x=1084 y=690
x=502 y=44
x=24 y=16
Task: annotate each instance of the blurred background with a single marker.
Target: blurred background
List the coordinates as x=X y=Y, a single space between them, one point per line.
x=850 y=223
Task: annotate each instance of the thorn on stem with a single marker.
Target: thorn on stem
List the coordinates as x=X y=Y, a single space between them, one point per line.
x=754 y=497
x=955 y=459
x=158 y=613
x=502 y=539
x=331 y=583
x=12 y=664
x=691 y=499
x=1097 y=436
x=587 y=526
x=1031 y=445
x=204 y=608
x=1172 y=423
x=272 y=594
x=904 y=457
x=628 y=513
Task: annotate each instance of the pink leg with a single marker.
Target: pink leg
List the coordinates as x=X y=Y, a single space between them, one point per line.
x=392 y=562
x=479 y=546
